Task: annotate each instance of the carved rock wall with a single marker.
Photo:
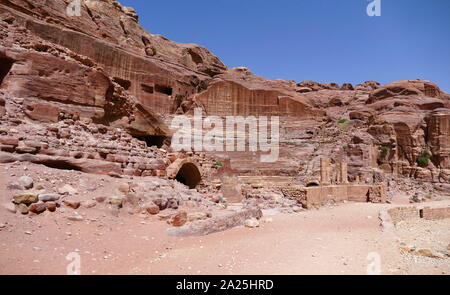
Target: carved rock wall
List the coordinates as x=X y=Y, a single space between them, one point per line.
x=438 y=137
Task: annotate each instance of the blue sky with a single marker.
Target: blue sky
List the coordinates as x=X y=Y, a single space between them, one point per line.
x=321 y=40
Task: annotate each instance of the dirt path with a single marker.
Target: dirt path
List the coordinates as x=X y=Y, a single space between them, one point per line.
x=332 y=240
x=328 y=241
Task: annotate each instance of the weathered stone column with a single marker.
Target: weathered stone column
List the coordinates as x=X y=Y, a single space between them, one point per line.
x=325 y=171
x=343 y=173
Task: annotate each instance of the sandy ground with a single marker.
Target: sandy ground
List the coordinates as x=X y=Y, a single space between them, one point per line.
x=332 y=240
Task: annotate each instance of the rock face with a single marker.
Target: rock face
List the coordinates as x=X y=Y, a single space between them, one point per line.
x=240 y=93
x=411 y=88
x=438 y=137
x=120 y=47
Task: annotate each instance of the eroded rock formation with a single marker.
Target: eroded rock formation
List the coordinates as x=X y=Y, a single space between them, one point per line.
x=97 y=92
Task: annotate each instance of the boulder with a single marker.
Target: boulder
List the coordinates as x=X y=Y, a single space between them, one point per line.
x=26 y=182
x=217 y=223
x=72 y=203
x=25 y=198
x=152 y=209
x=51 y=206
x=38 y=208
x=49 y=197
x=22 y=209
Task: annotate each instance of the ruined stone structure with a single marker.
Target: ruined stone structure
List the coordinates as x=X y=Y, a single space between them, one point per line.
x=325 y=176
x=400 y=214
x=326 y=193
x=185 y=171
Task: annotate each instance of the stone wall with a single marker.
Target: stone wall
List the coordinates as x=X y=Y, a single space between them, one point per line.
x=403 y=213
x=91 y=148
x=407 y=213
x=435 y=213
x=323 y=195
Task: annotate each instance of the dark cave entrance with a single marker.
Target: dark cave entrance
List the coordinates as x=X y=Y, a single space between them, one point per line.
x=313 y=184
x=163 y=89
x=5 y=66
x=147 y=89
x=122 y=82
x=195 y=57
x=189 y=175
x=153 y=140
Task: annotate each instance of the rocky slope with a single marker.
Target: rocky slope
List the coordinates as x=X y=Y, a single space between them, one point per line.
x=97 y=92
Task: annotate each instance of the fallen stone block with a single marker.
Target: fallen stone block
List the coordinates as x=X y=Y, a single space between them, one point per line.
x=215 y=224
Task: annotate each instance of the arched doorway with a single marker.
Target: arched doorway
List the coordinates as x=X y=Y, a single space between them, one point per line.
x=189 y=175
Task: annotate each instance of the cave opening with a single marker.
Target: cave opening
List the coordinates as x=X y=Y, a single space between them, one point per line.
x=153 y=140
x=189 y=175
x=196 y=57
x=5 y=66
x=147 y=88
x=163 y=89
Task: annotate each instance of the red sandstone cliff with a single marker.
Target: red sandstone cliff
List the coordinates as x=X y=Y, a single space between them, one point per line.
x=103 y=68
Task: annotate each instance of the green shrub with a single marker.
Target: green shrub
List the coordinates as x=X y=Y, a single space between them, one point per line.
x=415 y=199
x=342 y=121
x=423 y=160
x=384 y=151
x=154 y=51
x=220 y=164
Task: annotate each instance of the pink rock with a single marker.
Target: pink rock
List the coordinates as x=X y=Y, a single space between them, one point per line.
x=152 y=209
x=72 y=204
x=51 y=206
x=37 y=208
x=179 y=219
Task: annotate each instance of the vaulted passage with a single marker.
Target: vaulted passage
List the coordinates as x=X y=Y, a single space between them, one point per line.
x=5 y=67
x=189 y=175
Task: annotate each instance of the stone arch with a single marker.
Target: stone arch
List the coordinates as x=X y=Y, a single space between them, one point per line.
x=185 y=171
